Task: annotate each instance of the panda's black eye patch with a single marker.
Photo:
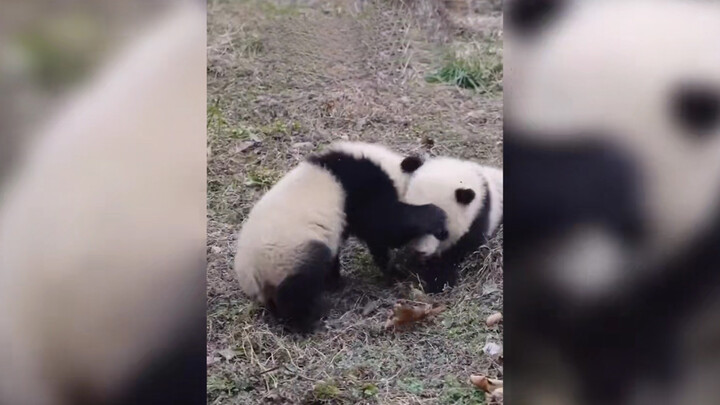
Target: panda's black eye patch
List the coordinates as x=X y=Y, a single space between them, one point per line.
x=697 y=108
x=464 y=196
x=411 y=163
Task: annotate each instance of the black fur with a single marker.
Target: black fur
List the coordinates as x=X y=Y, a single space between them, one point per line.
x=437 y=271
x=697 y=108
x=556 y=187
x=529 y=16
x=298 y=302
x=373 y=209
x=177 y=377
x=334 y=280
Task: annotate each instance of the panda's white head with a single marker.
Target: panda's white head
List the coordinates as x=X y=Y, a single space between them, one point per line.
x=462 y=189
x=613 y=129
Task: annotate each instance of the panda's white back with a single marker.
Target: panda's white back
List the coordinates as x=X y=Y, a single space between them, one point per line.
x=102 y=233
x=388 y=160
x=306 y=205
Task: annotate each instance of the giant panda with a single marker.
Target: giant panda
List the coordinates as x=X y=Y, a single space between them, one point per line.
x=102 y=235
x=612 y=154
x=471 y=196
x=287 y=249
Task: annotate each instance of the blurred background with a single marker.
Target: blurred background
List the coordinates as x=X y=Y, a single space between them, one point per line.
x=48 y=47
x=102 y=203
x=612 y=150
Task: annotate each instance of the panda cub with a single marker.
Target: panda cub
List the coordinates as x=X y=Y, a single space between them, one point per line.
x=287 y=252
x=472 y=197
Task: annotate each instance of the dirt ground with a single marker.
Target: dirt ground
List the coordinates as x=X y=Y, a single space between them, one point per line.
x=286 y=79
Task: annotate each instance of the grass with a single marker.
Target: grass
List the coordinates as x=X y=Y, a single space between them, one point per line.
x=323 y=73
x=481 y=71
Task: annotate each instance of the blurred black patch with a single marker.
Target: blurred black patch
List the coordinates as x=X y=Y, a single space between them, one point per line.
x=528 y=16
x=553 y=188
x=697 y=108
x=177 y=377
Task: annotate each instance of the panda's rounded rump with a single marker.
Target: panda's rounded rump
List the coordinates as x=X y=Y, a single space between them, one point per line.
x=305 y=205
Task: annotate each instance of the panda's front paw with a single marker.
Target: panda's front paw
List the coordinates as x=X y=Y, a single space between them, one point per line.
x=438 y=223
x=435 y=280
x=441 y=234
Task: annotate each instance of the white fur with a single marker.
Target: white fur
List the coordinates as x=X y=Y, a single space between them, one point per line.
x=305 y=205
x=435 y=182
x=102 y=233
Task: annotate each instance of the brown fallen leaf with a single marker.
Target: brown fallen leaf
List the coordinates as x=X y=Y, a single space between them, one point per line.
x=405 y=313
x=494 y=319
x=488 y=385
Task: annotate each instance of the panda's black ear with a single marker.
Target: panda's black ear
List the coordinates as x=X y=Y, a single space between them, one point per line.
x=528 y=16
x=411 y=163
x=464 y=196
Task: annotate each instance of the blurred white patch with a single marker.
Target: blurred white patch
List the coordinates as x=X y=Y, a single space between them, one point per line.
x=590 y=264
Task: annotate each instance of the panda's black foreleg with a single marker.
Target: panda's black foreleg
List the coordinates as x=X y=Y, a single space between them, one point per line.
x=381 y=257
x=414 y=221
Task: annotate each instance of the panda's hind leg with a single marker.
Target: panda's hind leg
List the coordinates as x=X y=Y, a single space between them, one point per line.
x=298 y=300
x=334 y=280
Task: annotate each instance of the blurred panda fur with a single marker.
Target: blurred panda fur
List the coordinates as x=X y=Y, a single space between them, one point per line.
x=612 y=151
x=102 y=235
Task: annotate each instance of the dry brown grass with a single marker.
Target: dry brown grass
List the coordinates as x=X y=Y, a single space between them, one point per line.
x=285 y=80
